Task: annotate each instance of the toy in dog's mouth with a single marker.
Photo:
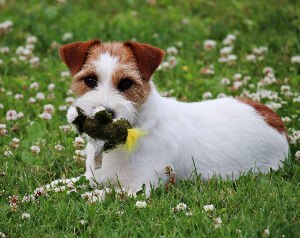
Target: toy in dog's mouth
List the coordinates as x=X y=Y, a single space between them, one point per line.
x=102 y=126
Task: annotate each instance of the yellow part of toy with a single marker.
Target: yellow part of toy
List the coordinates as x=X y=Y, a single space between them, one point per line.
x=133 y=135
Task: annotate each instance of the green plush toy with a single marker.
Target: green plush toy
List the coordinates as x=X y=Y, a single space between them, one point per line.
x=102 y=127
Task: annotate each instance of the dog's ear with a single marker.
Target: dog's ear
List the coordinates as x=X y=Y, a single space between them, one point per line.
x=74 y=54
x=148 y=57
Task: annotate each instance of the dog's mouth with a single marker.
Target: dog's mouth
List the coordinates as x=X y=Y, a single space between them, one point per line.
x=101 y=125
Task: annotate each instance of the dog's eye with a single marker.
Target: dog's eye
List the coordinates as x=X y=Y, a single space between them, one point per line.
x=91 y=81
x=125 y=84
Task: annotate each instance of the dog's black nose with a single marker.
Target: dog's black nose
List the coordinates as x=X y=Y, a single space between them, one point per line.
x=109 y=110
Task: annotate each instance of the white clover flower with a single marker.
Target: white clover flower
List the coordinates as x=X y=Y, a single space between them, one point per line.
x=59 y=189
x=296 y=99
x=172 y=61
x=131 y=194
x=69 y=100
x=51 y=87
x=260 y=50
x=231 y=58
x=59 y=147
x=286 y=119
x=22 y=58
x=1 y=105
x=140 y=204
x=209 y=44
x=273 y=105
x=65 y=128
x=229 y=40
x=3 y=130
x=83 y=222
x=40 y=96
x=65 y=74
x=181 y=207
x=11 y=115
x=94 y=196
x=225 y=81
x=31 y=100
x=20 y=115
x=5 y=27
x=35 y=149
x=46 y=116
x=8 y=153
x=49 y=108
x=63 y=108
x=209 y=208
x=35 y=61
x=79 y=142
x=218 y=222
x=207 y=95
x=31 y=39
x=72 y=114
x=189 y=213
x=222 y=59
x=207 y=70
x=80 y=153
x=25 y=216
x=28 y=198
x=164 y=66
x=29 y=47
x=34 y=85
x=15 y=142
x=4 y=50
x=295 y=59
x=67 y=36
x=172 y=50
x=237 y=77
x=251 y=58
x=19 y=96
x=295 y=137
x=39 y=191
x=226 y=50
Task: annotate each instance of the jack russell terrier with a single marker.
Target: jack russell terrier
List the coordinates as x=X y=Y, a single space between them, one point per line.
x=224 y=137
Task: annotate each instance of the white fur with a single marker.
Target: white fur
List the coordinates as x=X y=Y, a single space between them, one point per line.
x=219 y=137
x=106 y=95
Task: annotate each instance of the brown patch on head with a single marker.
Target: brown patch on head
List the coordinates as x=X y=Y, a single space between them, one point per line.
x=75 y=54
x=148 y=57
x=135 y=66
x=268 y=114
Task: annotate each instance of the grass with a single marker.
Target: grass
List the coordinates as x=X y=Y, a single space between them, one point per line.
x=247 y=206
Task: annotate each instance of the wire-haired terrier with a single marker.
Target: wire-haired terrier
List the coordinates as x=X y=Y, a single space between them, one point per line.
x=223 y=137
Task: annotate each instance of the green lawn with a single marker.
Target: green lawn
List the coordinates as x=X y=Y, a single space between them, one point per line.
x=267 y=34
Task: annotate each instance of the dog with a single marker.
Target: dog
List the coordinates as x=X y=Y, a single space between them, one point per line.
x=224 y=137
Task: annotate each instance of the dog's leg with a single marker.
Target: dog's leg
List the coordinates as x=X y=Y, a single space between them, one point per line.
x=93 y=159
x=162 y=177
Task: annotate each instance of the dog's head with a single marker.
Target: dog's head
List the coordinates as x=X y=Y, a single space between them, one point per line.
x=113 y=75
